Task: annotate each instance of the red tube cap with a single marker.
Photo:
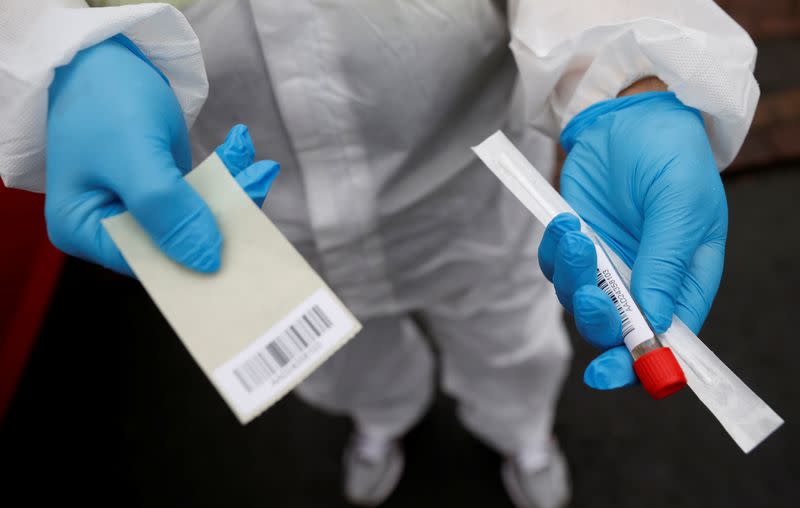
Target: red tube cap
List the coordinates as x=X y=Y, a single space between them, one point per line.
x=659 y=372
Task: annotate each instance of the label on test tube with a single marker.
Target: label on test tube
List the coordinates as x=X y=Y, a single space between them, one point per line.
x=635 y=329
x=655 y=366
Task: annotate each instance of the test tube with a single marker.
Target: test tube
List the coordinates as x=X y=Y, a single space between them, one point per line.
x=655 y=365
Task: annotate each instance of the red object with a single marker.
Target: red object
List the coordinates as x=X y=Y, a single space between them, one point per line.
x=29 y=269
x=660 y=373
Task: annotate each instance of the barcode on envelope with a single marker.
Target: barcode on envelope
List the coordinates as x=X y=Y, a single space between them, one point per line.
x=262 y=372
x=270 y=360
x=603 y=284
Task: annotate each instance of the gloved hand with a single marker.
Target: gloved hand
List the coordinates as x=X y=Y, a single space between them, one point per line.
x=641 y=173
x=117 y=140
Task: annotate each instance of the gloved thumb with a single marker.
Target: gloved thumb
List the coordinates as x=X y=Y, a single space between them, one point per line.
x=672 y=264
x=172 y=213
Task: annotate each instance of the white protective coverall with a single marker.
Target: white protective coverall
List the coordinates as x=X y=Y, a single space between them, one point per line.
x=371 y=108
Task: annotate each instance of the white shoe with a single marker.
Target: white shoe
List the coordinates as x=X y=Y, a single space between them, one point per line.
x=372 y=469
x=545 y=486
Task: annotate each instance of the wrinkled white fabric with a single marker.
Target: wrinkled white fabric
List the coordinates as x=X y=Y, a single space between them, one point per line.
x=573 y=53
x=371 y=108
x=36 y=36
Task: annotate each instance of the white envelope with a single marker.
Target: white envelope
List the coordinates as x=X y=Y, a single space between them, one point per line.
x=264 y=321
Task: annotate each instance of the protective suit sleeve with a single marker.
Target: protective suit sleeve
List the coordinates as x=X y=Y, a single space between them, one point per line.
x=572 y=54
x=38 y=36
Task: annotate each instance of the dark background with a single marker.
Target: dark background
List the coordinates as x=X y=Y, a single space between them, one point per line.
x=112 y=411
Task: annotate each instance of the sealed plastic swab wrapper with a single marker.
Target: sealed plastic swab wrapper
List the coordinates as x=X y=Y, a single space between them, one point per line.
x=664 y=363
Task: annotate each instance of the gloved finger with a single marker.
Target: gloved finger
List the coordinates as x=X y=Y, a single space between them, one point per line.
x=237 y=152
x=575 y=266
x=257 y=179
x=113 y=259
x=87 y=239
x=612 y=369
x=560 y=224
x=700 y=284
x=171 y=211
x=111 y=256
x=596 y=317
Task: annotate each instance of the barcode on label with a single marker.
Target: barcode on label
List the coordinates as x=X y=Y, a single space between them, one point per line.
x=271 y=359
x=602 y=283
x=271 y=365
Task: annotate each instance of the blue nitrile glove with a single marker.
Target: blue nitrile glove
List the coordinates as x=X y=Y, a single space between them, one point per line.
x=237 y=152
x=641 y=173
x=116 y=140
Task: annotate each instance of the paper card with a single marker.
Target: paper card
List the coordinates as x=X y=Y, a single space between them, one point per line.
x=264 y=321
